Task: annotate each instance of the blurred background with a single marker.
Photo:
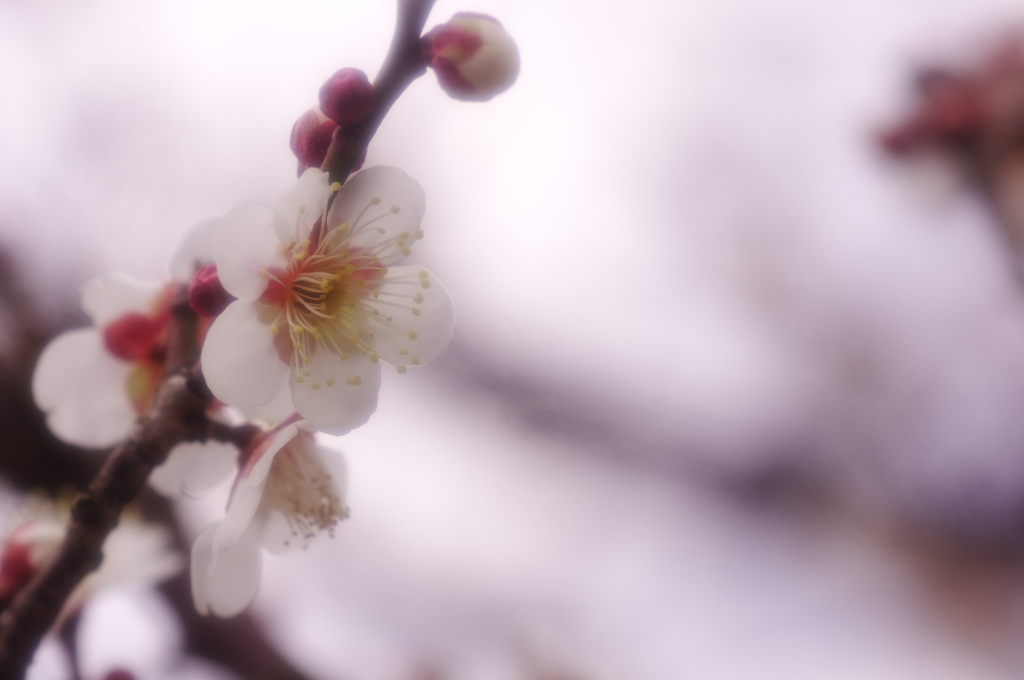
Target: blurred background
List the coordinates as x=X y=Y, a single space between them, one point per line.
x=737 y=383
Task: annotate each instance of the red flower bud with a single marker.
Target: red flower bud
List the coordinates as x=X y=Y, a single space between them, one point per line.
x=347 y=97
x=119 y=674
x=16 y=569
x=132 y=336
x=206 y=294
x=311 y=137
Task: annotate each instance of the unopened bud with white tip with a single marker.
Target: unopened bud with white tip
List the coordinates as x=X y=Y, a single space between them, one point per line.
x=473 y=55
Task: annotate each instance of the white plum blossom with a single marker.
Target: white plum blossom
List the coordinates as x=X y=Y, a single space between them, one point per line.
x=283 y=496
x=320 y=301
x=93 y=383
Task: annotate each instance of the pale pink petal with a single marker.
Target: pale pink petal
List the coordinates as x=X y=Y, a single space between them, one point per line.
x=245 y=497
x=338 y=395
x=278 y=535
x=83 y=390
x=379 y=205
x=414 y=318
x=194 y=468
x=276 y=410
x=225 y=582
x=137 y=553
x=239 y=359
x=194 y=252
x=108 y=297
x=244 y=244
x=299 y=208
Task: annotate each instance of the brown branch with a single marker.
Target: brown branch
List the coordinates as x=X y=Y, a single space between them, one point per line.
x=32 y=458
x=178 y=414
x=403 y=64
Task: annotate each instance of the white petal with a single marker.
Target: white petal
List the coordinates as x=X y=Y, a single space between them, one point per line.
x=194 y=252
x=225 y=582
x=278 y=535
x=194 y=468
x=299 y=208
x=108 y=297
x=379 y=227
x=240 y=362
x=420 y=336
x=244 y=244
x=328 y=399
x=245 y=497
x=137 y=553
x=276 y=410
x=83 y=390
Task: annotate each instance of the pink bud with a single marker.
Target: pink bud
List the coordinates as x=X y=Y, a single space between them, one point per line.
x=119 y=674
x=347 y=97
x=311 y=137
x=473 y=56
x=16 y=569
x=29 y=548
x=206 y=295
x=132 y=336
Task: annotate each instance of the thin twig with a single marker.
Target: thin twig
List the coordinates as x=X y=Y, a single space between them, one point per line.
x=178 y=414
x=403 y=64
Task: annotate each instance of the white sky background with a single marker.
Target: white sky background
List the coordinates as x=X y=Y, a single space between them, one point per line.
x=677 y=212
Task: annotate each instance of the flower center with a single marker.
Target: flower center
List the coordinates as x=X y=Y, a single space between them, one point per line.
x=141 y=339
x=301 y=489
x=322 y=294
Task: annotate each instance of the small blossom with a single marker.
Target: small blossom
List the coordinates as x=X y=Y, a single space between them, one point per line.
x=93 y=383
x=133 y=552
x=283 y=496
x=320 y=303
x=347 y=97
x=473 y=56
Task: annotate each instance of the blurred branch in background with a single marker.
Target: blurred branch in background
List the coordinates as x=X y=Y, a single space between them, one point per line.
x=975 y=117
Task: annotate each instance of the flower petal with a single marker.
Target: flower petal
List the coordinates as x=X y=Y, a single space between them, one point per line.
x=239 y=359
x=245 y=497
x=225 y=582
x=278 y=535
x=299 y=208
x=108 y=297
x=194 y=252
x=83 y=390
x=276 y=410
x=421 y=317
x=194 y=468
x=379 y=205
x=244 y=244
x=338 y=395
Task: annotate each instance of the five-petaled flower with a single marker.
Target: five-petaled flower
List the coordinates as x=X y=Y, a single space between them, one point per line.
x=319 y=302
x=283 y=496
x=94 y=382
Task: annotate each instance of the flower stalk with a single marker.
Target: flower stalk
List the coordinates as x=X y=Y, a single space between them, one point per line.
x=403 y=64
x=178 y=414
